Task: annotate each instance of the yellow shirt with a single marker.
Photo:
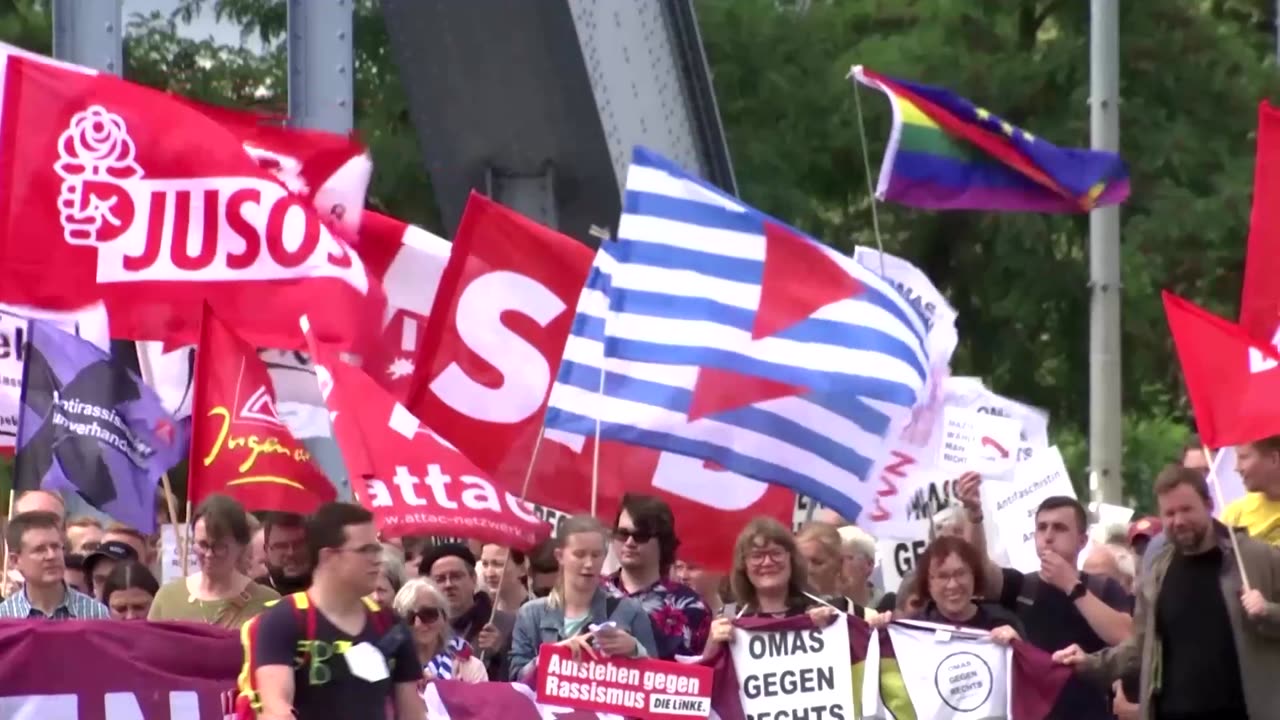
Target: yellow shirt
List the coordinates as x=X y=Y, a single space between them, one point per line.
x=1255 y=513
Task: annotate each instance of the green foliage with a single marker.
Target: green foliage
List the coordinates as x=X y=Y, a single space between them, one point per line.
x=1192 y=73
x=1191 y=77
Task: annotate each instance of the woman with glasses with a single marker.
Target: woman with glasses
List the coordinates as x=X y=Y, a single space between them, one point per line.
x=578 y=613
x=218 y=593
x=768 y=580
x=444 y=655
x=949 y=577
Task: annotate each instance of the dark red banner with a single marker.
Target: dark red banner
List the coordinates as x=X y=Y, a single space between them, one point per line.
x=116 y=670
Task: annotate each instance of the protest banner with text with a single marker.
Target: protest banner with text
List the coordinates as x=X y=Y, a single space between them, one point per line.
x=105 y=670
x=794 y=673
x=1012 y=506
x=978 y=442
x=639 y=688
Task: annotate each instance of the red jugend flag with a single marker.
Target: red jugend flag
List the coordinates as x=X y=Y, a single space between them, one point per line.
x=1232 y=379
x=239 y=445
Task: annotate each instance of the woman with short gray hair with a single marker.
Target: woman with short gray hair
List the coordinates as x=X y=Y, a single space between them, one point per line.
x=444 y=655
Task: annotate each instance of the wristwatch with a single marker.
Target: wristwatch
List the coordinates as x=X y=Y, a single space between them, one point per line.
x=1078 y=591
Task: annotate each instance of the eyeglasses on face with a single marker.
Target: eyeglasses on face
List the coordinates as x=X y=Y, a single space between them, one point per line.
x=640 y=536
x=204 y=547
x=425 y=615
x=772 y=555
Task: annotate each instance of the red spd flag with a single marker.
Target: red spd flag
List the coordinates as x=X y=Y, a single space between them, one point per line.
x=413 y=482
x=142 y=201
x=498 y=329
x=239 y=445
x=1233 y=381
x=1260 y=297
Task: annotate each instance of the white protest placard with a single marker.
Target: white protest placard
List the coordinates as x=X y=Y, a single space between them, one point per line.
x=899 y=555
x=171 y=555
x=1012 y=506
x=970 y=393
x=90 y=324
x=794 y=673
x=978 y=442
x=1112 y=515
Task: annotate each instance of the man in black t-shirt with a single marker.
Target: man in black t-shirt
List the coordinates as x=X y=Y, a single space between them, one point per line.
x=330 y=652
x=1059 y=606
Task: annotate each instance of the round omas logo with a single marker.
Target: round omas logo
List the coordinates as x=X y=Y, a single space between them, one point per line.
x=963 y=681
x=95 y=154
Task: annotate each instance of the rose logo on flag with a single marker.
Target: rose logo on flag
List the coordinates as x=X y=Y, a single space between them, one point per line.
x=95 y=154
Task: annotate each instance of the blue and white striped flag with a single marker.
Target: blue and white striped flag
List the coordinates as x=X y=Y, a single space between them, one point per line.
x=675 y=304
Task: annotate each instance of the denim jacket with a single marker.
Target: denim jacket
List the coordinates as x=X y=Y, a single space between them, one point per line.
x=536 y=623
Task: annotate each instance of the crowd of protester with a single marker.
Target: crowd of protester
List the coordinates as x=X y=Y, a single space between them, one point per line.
x=1171 y=618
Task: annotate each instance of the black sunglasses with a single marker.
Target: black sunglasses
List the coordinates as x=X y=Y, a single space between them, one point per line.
x=640 y=536
x=426 y=616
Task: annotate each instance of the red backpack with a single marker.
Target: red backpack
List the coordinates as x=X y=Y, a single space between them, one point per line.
x=248 y=703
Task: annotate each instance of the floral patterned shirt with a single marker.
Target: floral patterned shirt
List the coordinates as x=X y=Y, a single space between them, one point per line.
x=681 y=620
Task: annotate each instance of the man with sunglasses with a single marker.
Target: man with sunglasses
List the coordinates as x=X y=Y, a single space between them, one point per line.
x=330 y=652
x=644 y=540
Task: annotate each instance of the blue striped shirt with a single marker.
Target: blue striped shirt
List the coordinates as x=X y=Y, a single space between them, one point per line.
x=75 y=606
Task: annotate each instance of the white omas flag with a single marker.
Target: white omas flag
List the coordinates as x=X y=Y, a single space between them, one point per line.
x=89 y=323
x=919 y=290
x=950 y=673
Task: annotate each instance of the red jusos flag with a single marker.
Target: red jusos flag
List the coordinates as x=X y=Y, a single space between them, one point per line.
x=1233 y=380
x=239 y=445
x=118 y=192
x=414 y=482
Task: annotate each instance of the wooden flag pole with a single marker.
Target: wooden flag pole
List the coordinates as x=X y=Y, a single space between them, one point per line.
x=1222 y=505
x=171 y=501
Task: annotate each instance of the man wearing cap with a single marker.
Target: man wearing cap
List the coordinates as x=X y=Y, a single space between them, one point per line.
x=99 y=564
x=452 y=567
x=1141 y=531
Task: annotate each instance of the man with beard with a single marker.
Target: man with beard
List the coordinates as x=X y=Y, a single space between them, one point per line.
x=452 y=567
x=284 y=536
x=1206 y=647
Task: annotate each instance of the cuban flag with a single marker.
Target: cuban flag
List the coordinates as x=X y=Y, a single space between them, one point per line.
x=728 y=336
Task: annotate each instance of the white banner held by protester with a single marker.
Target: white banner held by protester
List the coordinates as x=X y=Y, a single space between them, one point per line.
x=794 y=673
x=90 y=324
x=899 y=556
x=951 y=672
x=1012 y=506
x=978 y=442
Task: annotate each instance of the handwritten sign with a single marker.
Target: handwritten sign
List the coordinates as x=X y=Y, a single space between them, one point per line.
x=171 y=555
x=898 y=556
x=638 y=688
x=1012 y=506
x=978 y=442
x=794 y=673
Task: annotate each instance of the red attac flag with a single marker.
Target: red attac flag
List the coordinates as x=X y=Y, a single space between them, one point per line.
x=497 y=333
x=1233 y=380
x=413 y=482
x=142 y=201
x=239 y=445
x=1260 y=297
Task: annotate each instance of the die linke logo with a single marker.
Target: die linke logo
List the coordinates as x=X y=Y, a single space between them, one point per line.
x=200 y=228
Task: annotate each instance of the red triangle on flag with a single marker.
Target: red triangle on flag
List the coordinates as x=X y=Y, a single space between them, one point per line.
x=799 y=278
x=717 y=391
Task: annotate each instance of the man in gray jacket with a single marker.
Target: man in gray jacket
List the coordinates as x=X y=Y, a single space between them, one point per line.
x=1206 y=647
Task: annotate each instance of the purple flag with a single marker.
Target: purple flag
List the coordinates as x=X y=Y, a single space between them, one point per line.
x=90 y=426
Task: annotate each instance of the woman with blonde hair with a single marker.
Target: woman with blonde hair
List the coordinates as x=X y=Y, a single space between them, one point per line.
x=768 y=580
x=444 y=655
x=578 y=613
x=822 y=550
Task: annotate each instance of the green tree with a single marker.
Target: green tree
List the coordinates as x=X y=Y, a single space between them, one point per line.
x=1192 y=74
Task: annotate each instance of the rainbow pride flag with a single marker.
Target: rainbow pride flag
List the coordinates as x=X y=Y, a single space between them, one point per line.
x=945 y=153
